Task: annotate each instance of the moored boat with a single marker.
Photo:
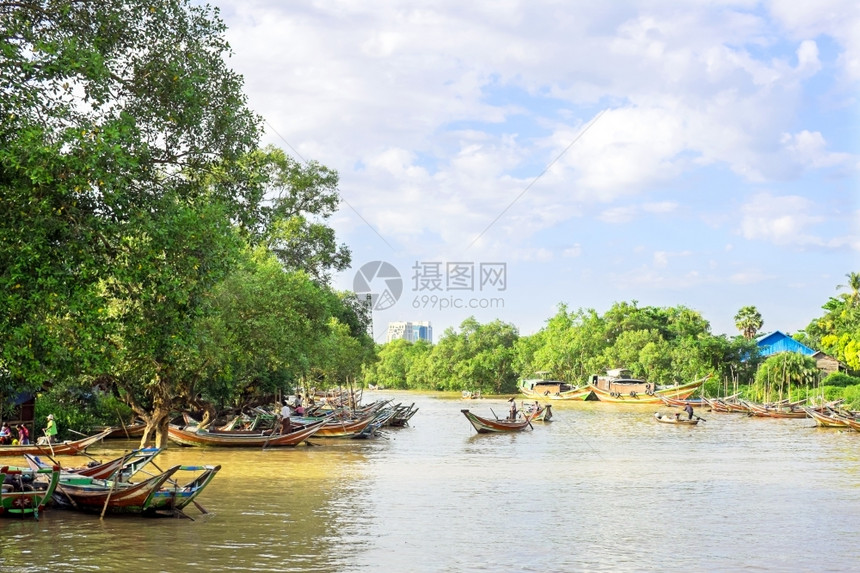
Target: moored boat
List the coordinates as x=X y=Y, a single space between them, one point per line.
x=195 y=437
x=542 y=389
x=619 y=387
x=127 y=465
x=25 y=491
x=487 y=426
x=96 y=495
x=68 y=448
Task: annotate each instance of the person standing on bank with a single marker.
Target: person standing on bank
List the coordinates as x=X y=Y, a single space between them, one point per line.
x=23 y=434
x=51 y=429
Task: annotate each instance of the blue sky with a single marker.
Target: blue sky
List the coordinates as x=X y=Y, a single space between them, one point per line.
x=702 y=154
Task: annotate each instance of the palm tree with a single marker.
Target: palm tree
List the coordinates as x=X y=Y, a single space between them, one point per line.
x=748 y=320
x=854 y=286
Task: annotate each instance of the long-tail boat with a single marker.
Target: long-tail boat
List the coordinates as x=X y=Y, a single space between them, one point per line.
x=169 y=499
x=826 y=418
x=95 y=495
x=488 y=426
x=619 y=387
x=675 y=419
x=174 y=496
x=125 y=432
x=537 y=412
x=402 y=415
x=68 y=448
x=127 y=464
x=782 y=409
x=542 y=389
x=238 y=439
x=25 y=491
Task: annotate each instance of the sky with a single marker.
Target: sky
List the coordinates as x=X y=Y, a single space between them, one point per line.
x=500 y=158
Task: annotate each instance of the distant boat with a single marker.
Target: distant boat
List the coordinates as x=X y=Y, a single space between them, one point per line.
x=675 y=419
x=537 y=412
x=618 y=386
x=488 y=426
x=543 y=389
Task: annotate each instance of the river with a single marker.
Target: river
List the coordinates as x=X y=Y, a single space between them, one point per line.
x=601 y=488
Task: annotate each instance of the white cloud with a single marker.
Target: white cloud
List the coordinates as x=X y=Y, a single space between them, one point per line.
x=439 y=116
x=782 y=220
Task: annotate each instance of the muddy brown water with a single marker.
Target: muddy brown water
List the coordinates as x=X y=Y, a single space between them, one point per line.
x=602 y=488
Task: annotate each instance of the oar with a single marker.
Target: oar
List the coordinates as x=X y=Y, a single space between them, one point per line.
x=494 y=414
x=701 y=418
x=48 y=438
x=277 y=421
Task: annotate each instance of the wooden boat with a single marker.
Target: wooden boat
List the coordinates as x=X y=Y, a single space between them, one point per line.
x=174 y=497
x=128 y=465
x=537 y=412
x=618 y=387
x=675 y=419
x=69 y=448
x=96 y=495
x=335 y=428
x=402 y=415
x=826 y=418
x=127 y=432
x=204 y=438
x=553 y=390
x=779 y=410
x=25 y=491
x=487 y=426
x=680 y=403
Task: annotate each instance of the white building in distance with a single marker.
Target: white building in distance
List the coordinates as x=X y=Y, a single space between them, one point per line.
x=411 y=331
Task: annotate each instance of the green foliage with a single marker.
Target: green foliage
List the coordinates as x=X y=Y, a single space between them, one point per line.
x=840 y=379
x=779 y=374
x=77 y=407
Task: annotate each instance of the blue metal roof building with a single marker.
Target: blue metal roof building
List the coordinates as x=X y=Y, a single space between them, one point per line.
x=777 y=342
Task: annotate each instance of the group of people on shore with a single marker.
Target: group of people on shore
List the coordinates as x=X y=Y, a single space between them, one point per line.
x=22 y=434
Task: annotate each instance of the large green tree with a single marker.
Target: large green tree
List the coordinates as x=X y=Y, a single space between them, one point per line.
x=112 y=119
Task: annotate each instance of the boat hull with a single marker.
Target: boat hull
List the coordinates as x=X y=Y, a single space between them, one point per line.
x=63 y=449
x=202 y=438
x=487 y=426
x=623 y=396
x=22 y=498
x=666 y=419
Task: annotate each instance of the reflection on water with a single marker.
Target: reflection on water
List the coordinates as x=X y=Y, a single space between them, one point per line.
x=602 y=488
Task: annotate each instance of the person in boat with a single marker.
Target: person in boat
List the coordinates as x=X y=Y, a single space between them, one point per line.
x=689 y=410
x=23 y=434
x=513 y=414
x=5 y=434
x=677 y=415
x=50 y=430
x=285 y=418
